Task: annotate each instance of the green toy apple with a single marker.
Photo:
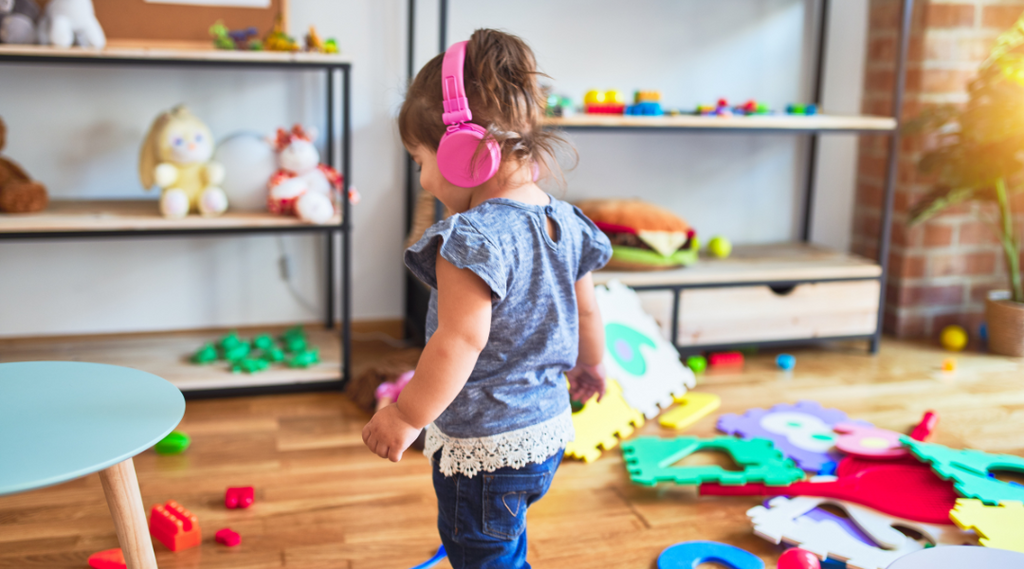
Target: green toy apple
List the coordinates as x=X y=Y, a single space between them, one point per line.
x=720 y=247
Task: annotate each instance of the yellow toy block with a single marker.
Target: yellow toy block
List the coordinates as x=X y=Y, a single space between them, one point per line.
x=1001 y=527
x=600 y=422
x=692 y=407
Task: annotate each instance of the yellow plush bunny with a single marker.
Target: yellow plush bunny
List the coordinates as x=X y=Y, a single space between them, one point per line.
x=176 y=157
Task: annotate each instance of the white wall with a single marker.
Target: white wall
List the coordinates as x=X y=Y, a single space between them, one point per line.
x=78 y=130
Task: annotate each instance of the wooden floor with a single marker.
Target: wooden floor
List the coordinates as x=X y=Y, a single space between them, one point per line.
x=323 y=501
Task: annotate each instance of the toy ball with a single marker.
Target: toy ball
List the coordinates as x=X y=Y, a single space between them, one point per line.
x=697 y=364
x=983 y=332
x=949 y=364
x=785 y=361
x=249 y=162
x=797 y=558
x=720 y=247
x=174 y=443
x=953 y=338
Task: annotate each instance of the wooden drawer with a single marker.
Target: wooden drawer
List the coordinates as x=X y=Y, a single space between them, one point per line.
x=711 y=316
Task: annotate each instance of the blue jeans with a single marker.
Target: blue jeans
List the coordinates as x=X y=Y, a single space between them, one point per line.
x=482 y=520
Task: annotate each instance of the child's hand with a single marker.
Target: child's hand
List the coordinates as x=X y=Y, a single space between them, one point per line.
x=388 y=434
x=585 y=381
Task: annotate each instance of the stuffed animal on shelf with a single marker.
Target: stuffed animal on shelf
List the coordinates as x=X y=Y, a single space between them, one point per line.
x=302 y=185
x=18 y=192
x=176 y=158
x=71 y=22
x=18 y=21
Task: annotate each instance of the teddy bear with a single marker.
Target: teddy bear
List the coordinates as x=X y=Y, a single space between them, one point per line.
x=18 y=21
x=18 y=192
x=69 y=22
x=176 y=157
x=302 y=185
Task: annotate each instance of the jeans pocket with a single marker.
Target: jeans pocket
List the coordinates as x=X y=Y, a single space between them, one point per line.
x=506 y=498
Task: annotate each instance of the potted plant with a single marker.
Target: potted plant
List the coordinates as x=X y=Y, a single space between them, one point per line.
x=976 y=152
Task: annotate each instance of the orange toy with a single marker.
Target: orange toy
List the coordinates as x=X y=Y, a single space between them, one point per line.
x=174 y=526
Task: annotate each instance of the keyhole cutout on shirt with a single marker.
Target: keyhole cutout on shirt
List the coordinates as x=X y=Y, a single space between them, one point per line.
x=552 y=228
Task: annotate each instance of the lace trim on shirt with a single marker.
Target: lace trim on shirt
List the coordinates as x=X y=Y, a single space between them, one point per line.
x=533 y=444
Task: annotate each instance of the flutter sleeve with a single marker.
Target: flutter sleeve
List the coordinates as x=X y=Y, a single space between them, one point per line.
x=462 y=245
x=596 y=250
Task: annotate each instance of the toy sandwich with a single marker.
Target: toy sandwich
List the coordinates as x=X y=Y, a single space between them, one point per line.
x=644 y=237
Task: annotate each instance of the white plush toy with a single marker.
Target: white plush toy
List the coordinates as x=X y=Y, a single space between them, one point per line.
x=302 y=185
x=18 y=21
x=176 y=157
x=69 y=22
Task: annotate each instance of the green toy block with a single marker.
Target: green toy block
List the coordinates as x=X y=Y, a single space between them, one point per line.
x=650 y=460
x=294 y=332
x=273 y=354
x=295 y=345
x=305 y=359
x=237 y=352
x=250 y=365
x=206 y=355
x=969 y=469
x=230 y=341
x=697 y=364
x=174 y=443
x=264 y=342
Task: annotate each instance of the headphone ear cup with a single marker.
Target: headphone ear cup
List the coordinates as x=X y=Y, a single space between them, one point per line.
x=455 y=156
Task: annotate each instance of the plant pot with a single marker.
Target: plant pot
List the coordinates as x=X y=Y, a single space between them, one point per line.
x=1005 y=320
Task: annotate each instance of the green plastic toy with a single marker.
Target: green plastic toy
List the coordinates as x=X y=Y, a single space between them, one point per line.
x=295 y=340
x=273 y=354
x=250 y=365
x=264 y=342
x=969 y=469
x=305 y=358
x=174 y=443
x=206 y=355
x=230 y=341
x=237 y=352
x=697 y=364
x=650 y=460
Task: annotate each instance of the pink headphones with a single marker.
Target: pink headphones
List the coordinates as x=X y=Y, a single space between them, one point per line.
x=455 y=154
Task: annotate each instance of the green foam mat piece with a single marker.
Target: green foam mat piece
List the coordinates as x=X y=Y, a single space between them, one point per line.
x=968 y=469
x=650 y=460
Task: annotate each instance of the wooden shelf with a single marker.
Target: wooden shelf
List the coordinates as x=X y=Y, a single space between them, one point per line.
x=50 y=54
x=794 y=123
x=141 y=216
x=167 y=354
x=780 y=262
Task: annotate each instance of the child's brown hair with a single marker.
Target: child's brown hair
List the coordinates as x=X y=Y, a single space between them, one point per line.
x=504 y=95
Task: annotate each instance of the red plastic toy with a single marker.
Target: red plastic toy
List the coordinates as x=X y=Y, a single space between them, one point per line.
x=797 y=558
x=107 y=559
x=726 y=359
x=228 y=537
x=174 y=526
x=904 y=488
x=240 y=497
x=924 y=429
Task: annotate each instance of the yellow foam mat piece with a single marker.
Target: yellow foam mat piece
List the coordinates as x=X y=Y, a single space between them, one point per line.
x=691 y=407
x=600 y=424
x=1001 y=527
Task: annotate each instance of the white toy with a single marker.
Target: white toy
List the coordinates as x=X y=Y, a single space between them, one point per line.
x=69 y=22
x=302 y=185
x=249 y=161
x=18 y=21
x=637 y=356
x=176 y=158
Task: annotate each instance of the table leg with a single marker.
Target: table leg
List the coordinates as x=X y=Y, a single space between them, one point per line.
x=125 y=503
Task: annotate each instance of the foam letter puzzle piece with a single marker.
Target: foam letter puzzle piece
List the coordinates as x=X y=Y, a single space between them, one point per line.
x=600 y=424
x=960 y=557
x=802 y=432
x=107 y=559
x=968 y=469
x=174 y=526
x=869 y=442
x=692 y=407
x=690 y=554
x=238 y=497
x=999 y=526
x=646 y=365
x=650 y=460
x=441 y=554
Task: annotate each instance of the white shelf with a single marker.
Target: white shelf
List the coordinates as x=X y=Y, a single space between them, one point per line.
x=45 y=53
x=757 y=122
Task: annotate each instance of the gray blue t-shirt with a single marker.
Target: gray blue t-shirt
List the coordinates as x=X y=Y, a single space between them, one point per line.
x=518 y=380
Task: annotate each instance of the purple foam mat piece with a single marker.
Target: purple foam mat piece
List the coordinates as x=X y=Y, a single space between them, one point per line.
x=749 y=426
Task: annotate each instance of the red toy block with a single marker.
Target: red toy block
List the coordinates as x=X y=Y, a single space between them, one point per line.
x=174 y=526
x=107 y=559
x=726 y=359
x=240 y=497
x=924 y=429
x=228 y=537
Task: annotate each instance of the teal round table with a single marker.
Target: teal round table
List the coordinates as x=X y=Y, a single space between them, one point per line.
x=62 y=420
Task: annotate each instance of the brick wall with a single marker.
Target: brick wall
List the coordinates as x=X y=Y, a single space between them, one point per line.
x=940 y=271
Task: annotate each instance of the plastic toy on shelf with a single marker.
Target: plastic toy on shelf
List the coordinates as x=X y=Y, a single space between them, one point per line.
x=246 y=39
x=559 y=106
x=604 y=103
x=646 y=103
x=801 y=109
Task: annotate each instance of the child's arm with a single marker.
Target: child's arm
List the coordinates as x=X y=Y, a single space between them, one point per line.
x=463 y=325
x=587 y=378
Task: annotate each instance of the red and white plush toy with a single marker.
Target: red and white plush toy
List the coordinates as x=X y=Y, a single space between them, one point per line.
x=302 y=185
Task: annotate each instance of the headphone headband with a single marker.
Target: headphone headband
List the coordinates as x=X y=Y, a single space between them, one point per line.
x=453 y=85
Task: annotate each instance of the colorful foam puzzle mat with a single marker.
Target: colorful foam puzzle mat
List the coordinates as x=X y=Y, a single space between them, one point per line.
x=600 y=424
x=650 y=460
x=690 y=554
x=961 y=557
x=869 y=442
x=440 y=555
x=999 y=526
x=969 y=470
x=689 y=409
x=803 y=432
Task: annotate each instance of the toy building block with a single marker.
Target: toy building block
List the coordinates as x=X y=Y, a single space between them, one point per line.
x=999 y=526
x=726 y=359
x=691 y=408
x=697 y=364
x=305 y=358
x=227 y=537
x=205 y=355
x=969 y=470
x=233 y=348
x=174 y=443
x=869 y=442
x=690 y=554
x=107 y=559
x=924 y=429
x=264 y=342
x=250 y=365
x=785 y=362
x=650 y=460
x=600 y=424
x=238 y=497
x=174 y=526
x=272 y=354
